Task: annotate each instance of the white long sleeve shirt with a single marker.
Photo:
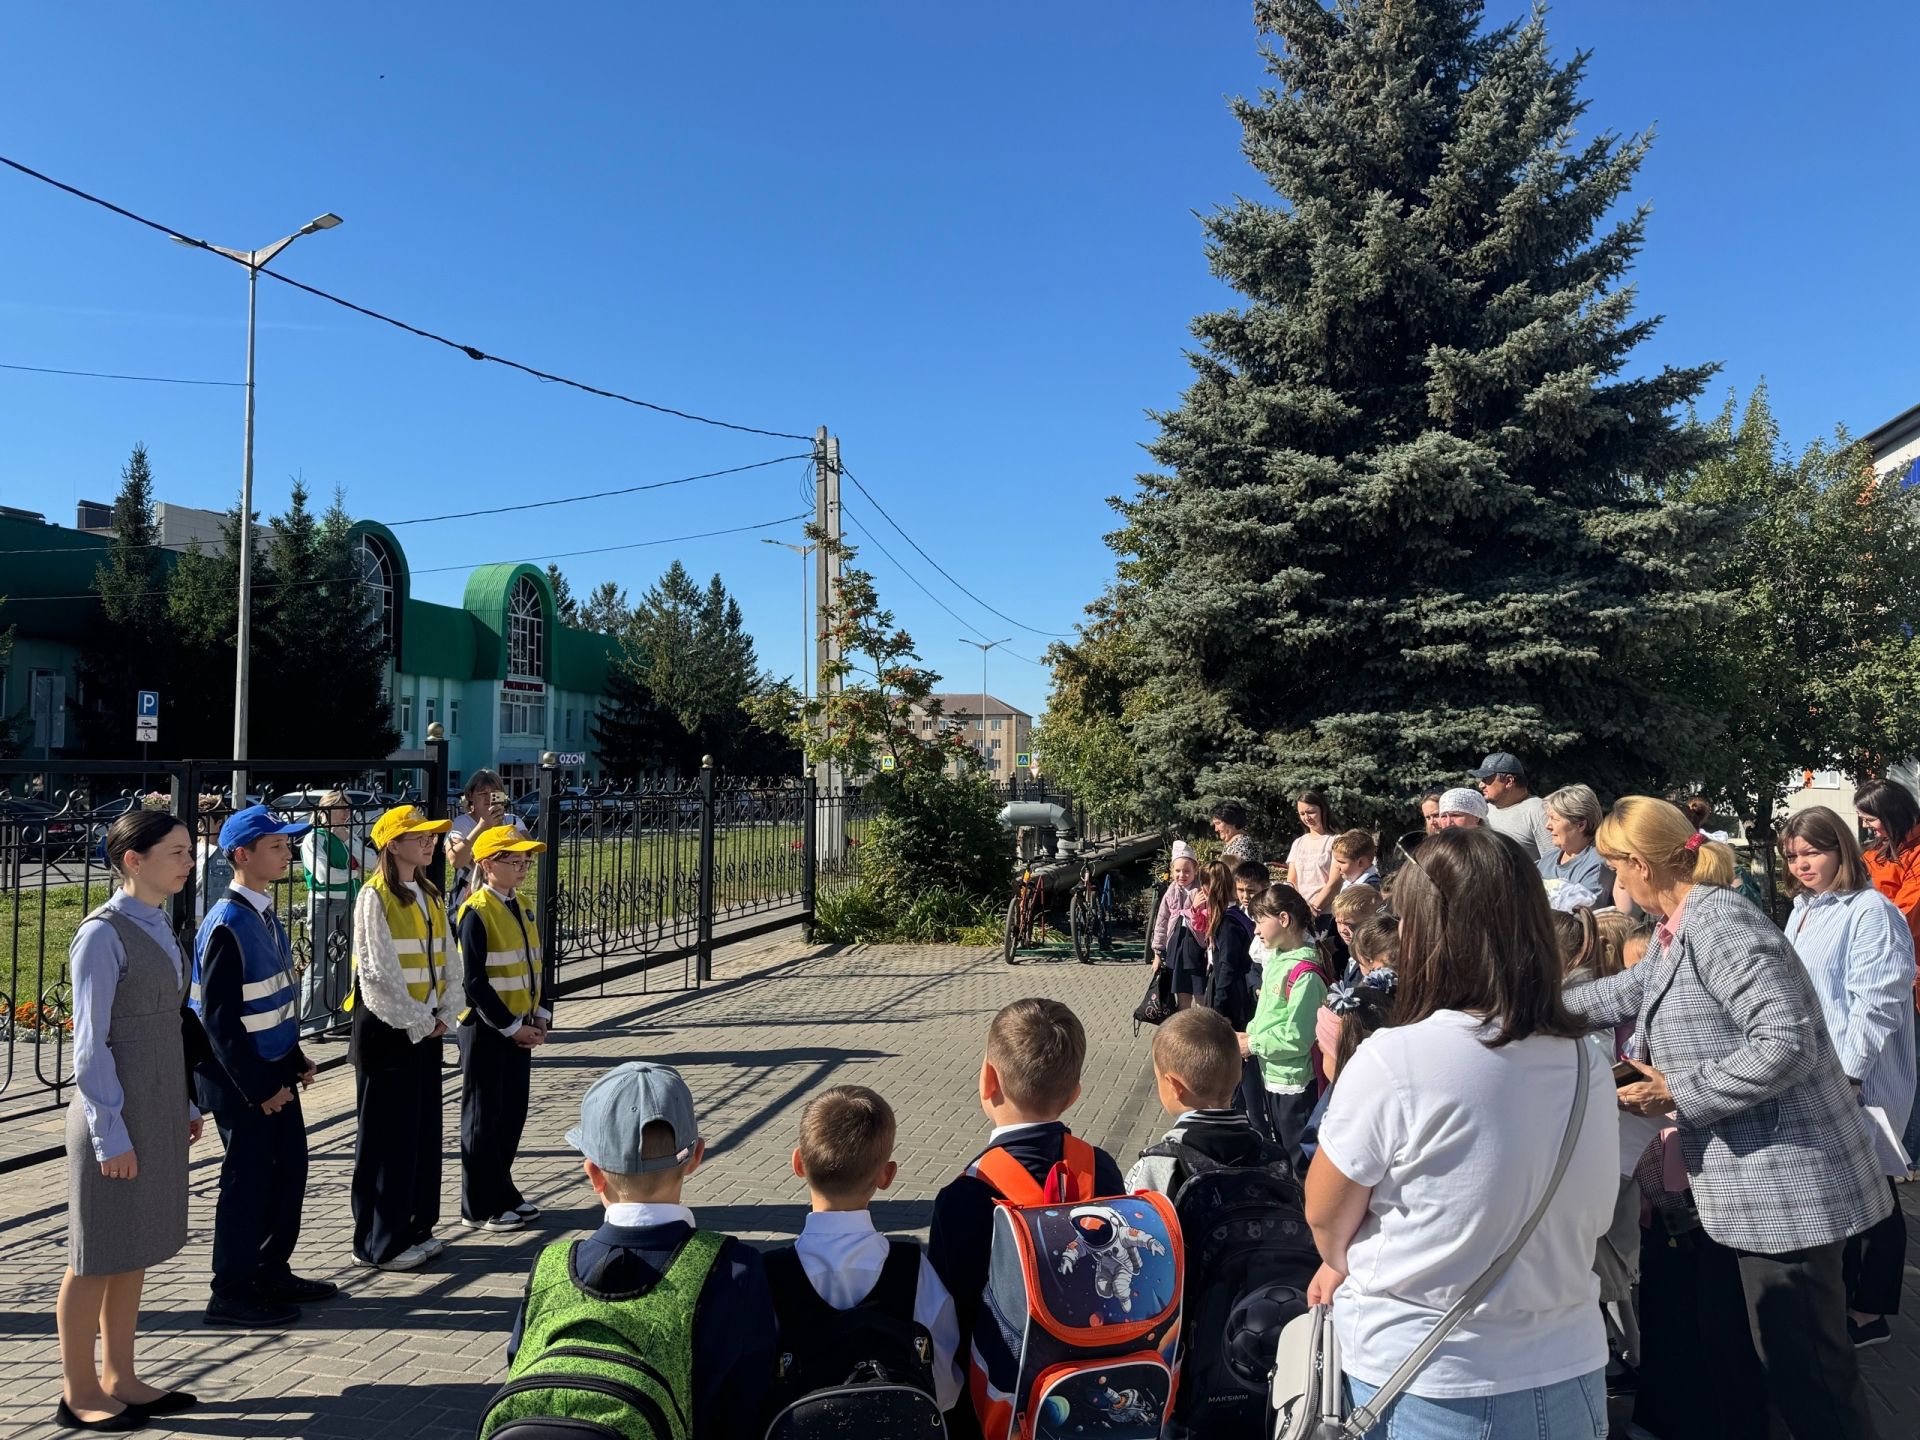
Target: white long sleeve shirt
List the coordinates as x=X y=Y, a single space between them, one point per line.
x=379 y=983
x=843 y=1256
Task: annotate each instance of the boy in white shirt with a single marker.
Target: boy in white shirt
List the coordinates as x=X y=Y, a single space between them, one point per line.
x=846 y=1156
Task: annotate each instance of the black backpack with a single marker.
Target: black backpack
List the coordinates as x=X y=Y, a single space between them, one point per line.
x=867 y=1371
x=1250 y=1258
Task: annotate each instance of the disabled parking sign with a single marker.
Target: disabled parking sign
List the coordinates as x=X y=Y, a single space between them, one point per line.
x=146 y=717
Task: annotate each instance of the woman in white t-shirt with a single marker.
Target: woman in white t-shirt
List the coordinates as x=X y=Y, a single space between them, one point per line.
x=1437 y=1144
x=1310 y=858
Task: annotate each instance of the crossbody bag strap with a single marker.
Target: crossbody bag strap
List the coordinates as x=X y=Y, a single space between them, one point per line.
x=1365 y=1416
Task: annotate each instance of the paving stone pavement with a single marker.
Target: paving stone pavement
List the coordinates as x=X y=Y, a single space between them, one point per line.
x=417 y=1355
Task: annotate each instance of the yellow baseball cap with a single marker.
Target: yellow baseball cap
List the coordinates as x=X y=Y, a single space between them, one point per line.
x=502 y=839
x=406 y=820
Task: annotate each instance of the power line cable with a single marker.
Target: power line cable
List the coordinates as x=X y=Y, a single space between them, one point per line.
x=924 y=590
x=594 y=495
x=472 y=352
x=103 y=375
x=496 y=510
x=1031 y=629
x=268 y=586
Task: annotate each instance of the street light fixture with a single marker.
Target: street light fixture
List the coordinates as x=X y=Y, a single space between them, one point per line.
x=255 y=261
x=983 y=646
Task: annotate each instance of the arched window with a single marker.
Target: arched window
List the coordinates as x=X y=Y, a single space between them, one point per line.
x=376 y=578
x=526 y=630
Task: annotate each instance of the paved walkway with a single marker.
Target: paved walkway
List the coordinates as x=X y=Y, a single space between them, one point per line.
x=417 y=1355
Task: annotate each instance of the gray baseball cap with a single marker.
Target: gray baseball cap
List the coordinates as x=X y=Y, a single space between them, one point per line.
x=1500 y=762
x=621 y=1104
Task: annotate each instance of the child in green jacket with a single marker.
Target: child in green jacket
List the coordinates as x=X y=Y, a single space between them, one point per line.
x=1280 y=1035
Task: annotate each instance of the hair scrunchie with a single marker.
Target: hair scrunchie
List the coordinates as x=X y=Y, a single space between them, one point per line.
x=1382 y=978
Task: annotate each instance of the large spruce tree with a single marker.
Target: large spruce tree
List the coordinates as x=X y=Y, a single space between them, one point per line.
x=131 y=649
x=1404 y=518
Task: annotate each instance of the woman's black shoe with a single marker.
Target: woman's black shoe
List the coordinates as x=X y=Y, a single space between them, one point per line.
x=170 y=1403
x=131 y=1418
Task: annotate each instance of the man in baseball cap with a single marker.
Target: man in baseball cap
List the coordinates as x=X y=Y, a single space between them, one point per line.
x=1516 y=812
x=640 y=1140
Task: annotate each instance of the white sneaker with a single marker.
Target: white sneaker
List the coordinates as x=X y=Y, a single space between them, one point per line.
x=526 y=1210
x=409 y=1259
x=505 y=1220
x=433 y=1245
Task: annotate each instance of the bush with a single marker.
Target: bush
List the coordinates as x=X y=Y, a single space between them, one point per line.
x=933 y=832
x=857 y=915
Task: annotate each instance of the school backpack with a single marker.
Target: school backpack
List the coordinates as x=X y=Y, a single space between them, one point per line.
x=1250 y=1258
x=865 y=1371
x=601 y=1367
x=1157 y=1006
x=1081 y=1314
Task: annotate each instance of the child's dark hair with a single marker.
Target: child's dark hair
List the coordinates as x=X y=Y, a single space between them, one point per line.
x=1370 y=1009
x=1285 y=900
x=138 y=831
x=1376 y=940
x=1581 y=945
x=1254 y=873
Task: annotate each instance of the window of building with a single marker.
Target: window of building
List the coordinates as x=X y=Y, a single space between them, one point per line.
x=433 y=711
x=453 y=717
x=996 y=722
x=526 y=630
x=376 y=578
x=406 y=717
x=522 y=713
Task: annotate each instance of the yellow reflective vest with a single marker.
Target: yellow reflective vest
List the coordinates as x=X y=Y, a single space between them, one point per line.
x=513 y=950
x=422 y=940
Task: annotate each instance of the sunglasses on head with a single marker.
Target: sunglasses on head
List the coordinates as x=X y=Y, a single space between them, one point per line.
x=1408 y=845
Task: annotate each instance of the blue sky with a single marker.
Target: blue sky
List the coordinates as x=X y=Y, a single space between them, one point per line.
x=963 y=237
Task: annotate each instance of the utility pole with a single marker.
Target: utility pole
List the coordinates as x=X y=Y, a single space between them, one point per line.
x=255 y=261
x=826 y=601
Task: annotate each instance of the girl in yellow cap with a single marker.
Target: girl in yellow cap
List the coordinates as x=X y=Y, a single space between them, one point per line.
x=407 y=991
x=505 y=1020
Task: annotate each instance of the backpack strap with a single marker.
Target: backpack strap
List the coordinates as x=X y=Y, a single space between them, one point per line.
x=898 y=1287
x=1009 y=1178
x=795 y=1302
x=1305 y=967
x=1071 y=1180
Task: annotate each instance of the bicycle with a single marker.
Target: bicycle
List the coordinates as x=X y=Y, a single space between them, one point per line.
x=1090 y=916
x=1026 y=914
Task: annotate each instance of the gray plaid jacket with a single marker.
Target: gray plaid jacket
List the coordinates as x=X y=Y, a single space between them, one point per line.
x=1771 y=1130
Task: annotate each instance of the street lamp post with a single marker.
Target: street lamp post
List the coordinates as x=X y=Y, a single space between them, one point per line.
x=255 y=261
x=806 y=624
x=983 y=646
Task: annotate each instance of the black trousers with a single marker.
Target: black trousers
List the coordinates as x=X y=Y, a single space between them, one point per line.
x=1797 y=1310
x=1875 y=1264
x=396 y=1150
x=495 y=1076
x=263 y=1183
x=1288 y=1115
x=1700 y=1378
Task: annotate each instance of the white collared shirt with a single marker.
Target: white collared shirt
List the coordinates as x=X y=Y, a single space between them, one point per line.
x=261 y=902
x=843 y=1256
x=1001 y=1132
x=633 y=1214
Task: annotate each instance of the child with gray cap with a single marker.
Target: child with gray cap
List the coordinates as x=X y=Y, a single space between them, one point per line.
x=649 y=1316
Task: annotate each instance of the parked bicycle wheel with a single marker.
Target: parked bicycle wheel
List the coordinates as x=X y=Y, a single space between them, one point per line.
x=1080 y=923
x=1011 y=941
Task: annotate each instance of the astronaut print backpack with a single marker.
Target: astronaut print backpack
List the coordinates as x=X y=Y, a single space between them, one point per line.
x=1081 y=1318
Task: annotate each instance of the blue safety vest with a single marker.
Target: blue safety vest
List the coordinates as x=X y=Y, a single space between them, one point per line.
x=268 y=1000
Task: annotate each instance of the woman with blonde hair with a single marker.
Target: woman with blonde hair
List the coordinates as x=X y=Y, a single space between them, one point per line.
x=1732 y=1046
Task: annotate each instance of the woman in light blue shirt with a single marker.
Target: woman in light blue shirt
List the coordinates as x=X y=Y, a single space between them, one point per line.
x=129 y=1125
x=1859 y=953
x=1573 y=814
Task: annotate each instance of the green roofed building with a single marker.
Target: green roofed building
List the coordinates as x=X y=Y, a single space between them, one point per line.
x=498 y=672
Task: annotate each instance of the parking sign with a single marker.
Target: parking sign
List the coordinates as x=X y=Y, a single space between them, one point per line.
x=146 y=717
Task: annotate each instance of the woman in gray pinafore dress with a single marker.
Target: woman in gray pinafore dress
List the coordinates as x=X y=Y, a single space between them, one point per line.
x=129 y=1125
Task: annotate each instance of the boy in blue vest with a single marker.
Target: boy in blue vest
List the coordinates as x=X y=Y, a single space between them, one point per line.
x=705 y=1292
x=244 y=992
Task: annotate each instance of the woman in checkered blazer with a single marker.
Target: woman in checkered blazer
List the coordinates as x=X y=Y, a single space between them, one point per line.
x=1736 y=1052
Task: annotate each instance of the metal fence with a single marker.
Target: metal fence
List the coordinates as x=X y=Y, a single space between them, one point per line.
x=54 y=817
